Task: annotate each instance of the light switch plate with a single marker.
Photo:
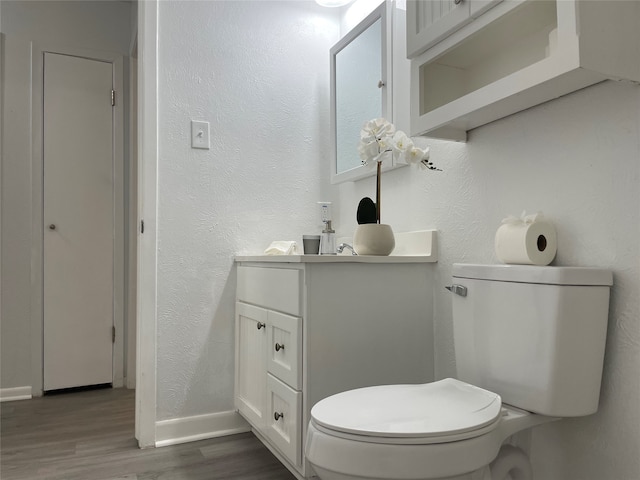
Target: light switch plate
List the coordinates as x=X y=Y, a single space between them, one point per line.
x=200 y=134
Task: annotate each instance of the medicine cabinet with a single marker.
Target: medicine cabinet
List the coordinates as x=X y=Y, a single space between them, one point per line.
x=361 y=86
x=486 y=63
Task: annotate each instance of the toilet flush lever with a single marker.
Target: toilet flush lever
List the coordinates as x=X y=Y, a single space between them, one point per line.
x=457 y=289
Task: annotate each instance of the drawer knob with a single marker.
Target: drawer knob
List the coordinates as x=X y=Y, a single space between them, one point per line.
x=277 y=416
x=261 y=325
x=279 y=346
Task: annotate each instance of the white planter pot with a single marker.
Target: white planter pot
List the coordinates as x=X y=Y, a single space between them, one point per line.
x=373 y=239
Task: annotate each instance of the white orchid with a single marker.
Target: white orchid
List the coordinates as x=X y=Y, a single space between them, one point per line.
x=416 y=155
x=379 y=136
x=368 y=150
x=376 y=138
x=421 y=157
x=402 y=145
x=376 y=129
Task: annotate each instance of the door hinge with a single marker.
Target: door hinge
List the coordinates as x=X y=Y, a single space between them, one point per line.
x=113 y=98
x=113 y=334
x=141 y=226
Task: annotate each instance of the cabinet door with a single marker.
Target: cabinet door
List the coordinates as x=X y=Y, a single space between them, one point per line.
x=429 y=21
x=284 y=349
x=284 y=428
x=251 y=366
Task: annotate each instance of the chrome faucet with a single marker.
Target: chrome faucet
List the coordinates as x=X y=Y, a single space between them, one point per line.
x=342 y=246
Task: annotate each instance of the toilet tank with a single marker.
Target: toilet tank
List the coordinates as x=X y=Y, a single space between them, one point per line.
x=534 y=335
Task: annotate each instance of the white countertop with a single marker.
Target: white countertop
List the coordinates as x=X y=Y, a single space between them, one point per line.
x=337 y=258
x=411 y=247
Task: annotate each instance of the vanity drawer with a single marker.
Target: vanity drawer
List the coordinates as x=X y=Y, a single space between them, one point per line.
x=284 y=347
x=274 y=288
x=284 y=418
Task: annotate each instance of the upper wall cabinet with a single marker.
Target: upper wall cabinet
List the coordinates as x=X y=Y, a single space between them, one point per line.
x=475 y=61
x=428 y=22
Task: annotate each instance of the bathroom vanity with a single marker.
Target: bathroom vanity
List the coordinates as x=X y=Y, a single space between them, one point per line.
x=310 y=326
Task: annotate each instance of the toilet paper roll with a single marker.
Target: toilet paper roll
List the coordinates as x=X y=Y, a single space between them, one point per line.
x=526 y=242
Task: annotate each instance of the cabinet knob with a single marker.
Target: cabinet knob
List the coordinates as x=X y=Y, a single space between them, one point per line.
x=381 y=84
x=279 y=346
x=277 y=416
x=458 y=2
x=261 y=325
x=52 y=226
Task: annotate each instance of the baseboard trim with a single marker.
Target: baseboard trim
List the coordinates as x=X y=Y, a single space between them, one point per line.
x=199 y=427
x=15 y=393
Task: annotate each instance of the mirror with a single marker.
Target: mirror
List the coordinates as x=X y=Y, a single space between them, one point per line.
x=360 y=90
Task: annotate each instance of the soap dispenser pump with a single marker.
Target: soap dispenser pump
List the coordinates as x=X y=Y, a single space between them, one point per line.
x=328 y=240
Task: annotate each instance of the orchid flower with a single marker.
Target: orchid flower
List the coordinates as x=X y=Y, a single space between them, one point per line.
x=379 y=136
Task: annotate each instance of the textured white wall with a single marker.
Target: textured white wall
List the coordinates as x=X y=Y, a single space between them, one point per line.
x=97 y=25
x=259 y=72
x=578 y=160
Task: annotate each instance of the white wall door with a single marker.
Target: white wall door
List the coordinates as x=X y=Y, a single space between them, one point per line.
x=78 y=222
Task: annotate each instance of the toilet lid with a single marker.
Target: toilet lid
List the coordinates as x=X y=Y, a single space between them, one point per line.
x=443 y=408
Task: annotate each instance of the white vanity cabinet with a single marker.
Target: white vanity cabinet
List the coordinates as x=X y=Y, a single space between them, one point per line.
x=305 y=331
x=269 y=355
x=480 y=60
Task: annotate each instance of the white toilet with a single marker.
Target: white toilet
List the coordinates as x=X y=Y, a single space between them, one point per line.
x=529 y=344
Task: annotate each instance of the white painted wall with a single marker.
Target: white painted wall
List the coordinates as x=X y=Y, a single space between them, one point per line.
x=94 y=25
x=259 y=72
x=15 y=308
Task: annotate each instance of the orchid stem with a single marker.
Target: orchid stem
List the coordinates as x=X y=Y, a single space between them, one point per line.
x=378 y=175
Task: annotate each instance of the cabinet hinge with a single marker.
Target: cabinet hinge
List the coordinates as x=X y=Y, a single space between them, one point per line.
x=113 y=334
x=113 y=98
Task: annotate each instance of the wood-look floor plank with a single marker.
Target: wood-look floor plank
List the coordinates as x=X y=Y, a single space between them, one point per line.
x=89 y=436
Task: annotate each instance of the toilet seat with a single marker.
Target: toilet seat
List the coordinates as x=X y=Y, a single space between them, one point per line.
x=444 y=411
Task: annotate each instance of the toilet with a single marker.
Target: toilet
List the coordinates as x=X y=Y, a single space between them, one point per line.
x=529 y=348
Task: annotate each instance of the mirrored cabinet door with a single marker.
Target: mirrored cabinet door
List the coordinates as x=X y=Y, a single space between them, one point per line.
x=361 y=86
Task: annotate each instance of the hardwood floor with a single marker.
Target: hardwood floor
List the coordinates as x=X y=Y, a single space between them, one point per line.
x=90 y=436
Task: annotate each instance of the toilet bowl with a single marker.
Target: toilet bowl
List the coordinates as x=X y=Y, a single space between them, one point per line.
x=388 y=432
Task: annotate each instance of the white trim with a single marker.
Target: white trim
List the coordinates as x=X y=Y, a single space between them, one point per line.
x=37 y=215
x=2 y=94
x=119 y=224
x=132 y=207
x=15 y=393
x=145 y=430
x=37 y=257
x=199 y=427
x=132 y=229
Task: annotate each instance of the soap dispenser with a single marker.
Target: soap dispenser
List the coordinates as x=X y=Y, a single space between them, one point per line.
x=328 y=240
